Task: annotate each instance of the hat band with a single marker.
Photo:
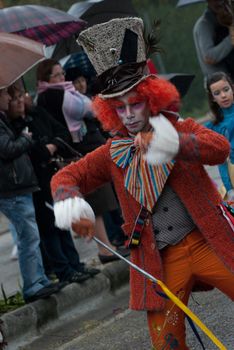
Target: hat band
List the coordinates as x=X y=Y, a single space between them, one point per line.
x=120 y=77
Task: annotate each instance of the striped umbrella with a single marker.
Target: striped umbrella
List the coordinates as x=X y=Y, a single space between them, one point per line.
x=44 y=24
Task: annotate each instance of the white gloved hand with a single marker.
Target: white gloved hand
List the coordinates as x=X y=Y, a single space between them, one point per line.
x=164 y=145
x=72 y=210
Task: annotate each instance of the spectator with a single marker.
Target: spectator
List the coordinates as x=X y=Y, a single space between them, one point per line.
x=79 y=80
x=46 y=132
x=220 y=97
x=17 y=183
x=73 y=110
x=213 y=35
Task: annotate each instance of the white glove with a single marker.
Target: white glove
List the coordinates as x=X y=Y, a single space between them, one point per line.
x=164 y=145
x=71 y=210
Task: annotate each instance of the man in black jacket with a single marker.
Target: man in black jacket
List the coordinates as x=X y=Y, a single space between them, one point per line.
x=49 y=140
x=17 y=183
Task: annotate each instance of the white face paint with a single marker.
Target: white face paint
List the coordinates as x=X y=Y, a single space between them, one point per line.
x=133 y=111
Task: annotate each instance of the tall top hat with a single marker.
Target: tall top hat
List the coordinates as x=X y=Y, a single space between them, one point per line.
x=118 y=53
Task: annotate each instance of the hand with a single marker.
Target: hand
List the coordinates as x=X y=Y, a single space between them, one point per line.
x=27 y=134
x=84 y=228
x=230 y=195
x=51 y=148
x=208 y=60
x=142 y=140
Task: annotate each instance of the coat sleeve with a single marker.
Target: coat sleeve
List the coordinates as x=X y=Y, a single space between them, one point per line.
x=204 y=33
x=84 y=176
x=199 y=144
x=10 y=148
x=57 y=129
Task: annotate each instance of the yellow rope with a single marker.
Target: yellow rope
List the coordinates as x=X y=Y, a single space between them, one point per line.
x=188 y=312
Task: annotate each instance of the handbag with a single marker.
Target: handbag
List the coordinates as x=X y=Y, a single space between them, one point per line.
x=60 y=162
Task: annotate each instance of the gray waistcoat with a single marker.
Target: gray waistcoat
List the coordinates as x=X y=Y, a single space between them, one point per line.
x=171 y=221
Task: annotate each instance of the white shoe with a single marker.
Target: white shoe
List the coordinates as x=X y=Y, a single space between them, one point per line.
x=14 y=253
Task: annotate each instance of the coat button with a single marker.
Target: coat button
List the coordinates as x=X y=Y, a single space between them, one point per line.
x=165 y=209
x=147 y=221
x=152 y=246
x=170 y=228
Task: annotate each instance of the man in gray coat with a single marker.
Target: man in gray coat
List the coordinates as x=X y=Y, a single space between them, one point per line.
x=213 y=42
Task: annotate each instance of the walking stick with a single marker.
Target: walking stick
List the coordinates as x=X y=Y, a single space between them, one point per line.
x=168 y=293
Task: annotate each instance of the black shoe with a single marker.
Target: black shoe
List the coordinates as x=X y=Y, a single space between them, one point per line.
x=44 y=292
x=109 y=258
x=78 y=277
x=60 y=285
x=118 y=242
x=90 y=271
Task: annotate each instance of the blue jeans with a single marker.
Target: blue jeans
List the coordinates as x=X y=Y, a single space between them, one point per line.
x=20 y=211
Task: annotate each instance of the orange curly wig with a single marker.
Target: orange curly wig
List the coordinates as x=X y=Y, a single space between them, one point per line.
x=159 y=93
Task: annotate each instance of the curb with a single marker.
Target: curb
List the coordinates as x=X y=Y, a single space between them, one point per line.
x=18 y=327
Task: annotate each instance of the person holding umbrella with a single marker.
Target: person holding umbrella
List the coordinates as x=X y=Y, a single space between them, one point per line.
x=175 y=220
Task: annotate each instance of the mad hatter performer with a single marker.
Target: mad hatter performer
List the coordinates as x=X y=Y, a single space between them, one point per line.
x=173 y=213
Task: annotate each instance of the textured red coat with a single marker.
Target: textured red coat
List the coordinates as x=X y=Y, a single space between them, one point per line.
x=188 y=179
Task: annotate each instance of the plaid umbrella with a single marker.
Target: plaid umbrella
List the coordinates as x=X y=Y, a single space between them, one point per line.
x=44 y=24
x=18 y=55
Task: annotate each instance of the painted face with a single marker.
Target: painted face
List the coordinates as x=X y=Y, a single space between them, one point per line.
x=81 y=85
x=4 y=100
x=222 y=93
x=57 y=75
x=133 y=111
x=17 y=105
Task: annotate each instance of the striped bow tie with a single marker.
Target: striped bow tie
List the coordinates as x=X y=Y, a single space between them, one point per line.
x=145 y=182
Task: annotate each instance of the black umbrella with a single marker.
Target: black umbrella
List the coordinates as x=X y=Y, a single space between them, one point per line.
x=93 y=12
x=181 y=81
x=99 y=11
x=188 y=2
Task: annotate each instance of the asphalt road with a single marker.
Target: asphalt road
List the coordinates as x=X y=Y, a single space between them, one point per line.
x=111 y=326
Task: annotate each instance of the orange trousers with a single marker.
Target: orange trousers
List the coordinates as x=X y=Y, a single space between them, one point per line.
x=190 y=261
